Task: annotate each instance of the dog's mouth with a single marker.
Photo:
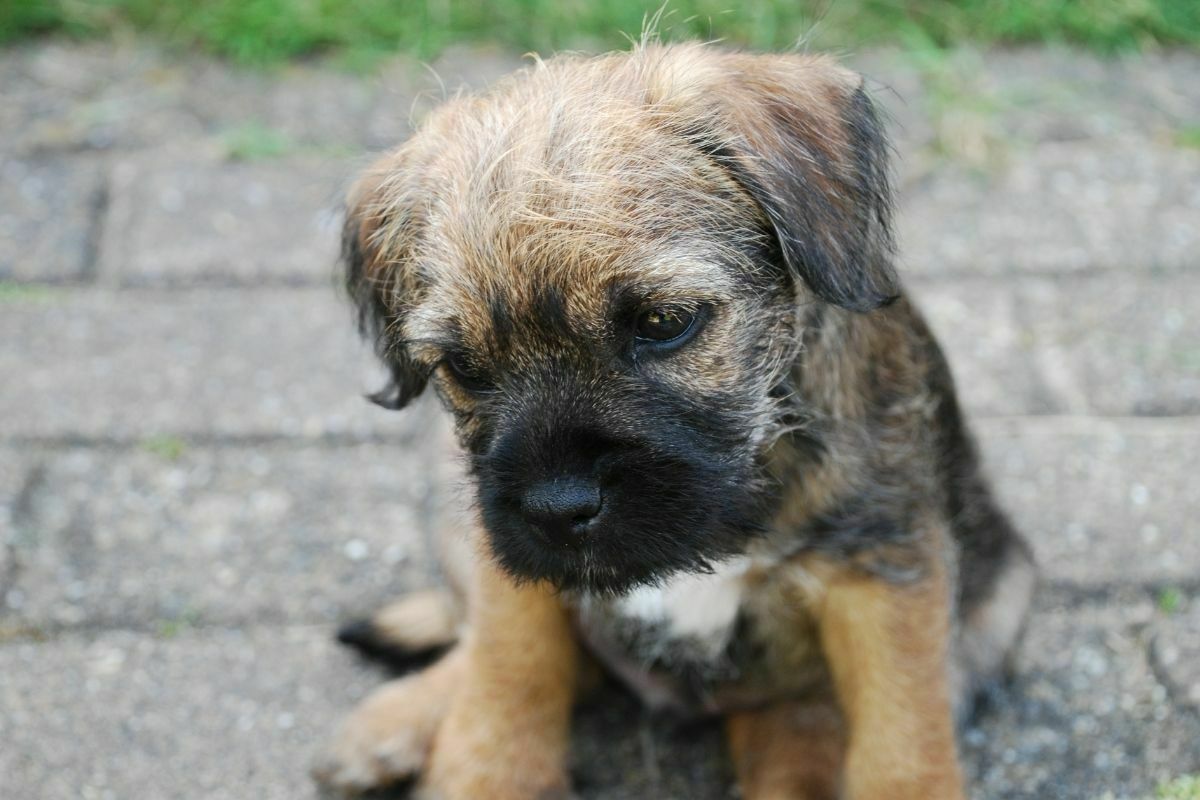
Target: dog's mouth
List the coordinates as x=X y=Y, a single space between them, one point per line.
x=601 y=568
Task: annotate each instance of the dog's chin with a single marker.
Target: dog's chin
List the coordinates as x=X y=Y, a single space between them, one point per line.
x=583 y=573
x=610 y=564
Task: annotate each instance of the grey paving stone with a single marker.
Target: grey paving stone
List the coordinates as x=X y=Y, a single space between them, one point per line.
x=67 y=97
x=189 y=219
x=1086 y=717
x=49 y=217
x=230 y=714
x=1026 y=95
x=23 y=98
x=207 y=363
x=1060 y=207
x=1102 y=501
x=311 y=106
x=240 y=714
x=1118 y=344
x=1059 y=94
x=185 y=535
x=105 y=96
x=1176 y=648
x=980 y=327
x=1111 y=344
x=320 y=108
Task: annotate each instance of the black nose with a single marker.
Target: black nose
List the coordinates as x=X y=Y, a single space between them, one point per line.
x=562 y=508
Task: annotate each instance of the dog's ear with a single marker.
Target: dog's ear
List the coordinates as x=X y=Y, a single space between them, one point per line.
x=376 y=255
x=803 y=138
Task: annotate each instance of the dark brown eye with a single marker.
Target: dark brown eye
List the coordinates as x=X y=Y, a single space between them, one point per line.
x=468 y=376
x=664 y=324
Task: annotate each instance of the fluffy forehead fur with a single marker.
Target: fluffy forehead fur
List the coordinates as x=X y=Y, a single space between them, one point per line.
x=653 y=175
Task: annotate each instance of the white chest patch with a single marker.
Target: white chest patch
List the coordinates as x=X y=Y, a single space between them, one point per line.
x=700 y=607
x=671 y=641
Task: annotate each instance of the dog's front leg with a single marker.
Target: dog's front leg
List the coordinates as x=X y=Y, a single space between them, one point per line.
x=506 y=734
x=887 y=647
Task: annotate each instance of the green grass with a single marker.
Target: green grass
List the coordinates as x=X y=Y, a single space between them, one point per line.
x=270 y=31
x=1188 y=137
x=12 y=292
x=171 y=448
x=1169 y=600
x=1185 y=788
x=254 y=141
x=170 y=627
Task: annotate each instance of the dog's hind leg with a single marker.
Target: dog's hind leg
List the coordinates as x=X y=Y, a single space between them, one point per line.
x=410 y=631
x=416 y=628
x=789 y=751
x=991 y=628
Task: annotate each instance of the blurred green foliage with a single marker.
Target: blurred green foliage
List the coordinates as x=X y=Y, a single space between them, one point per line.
x=254 y=141
x=268 y=31
x=1185 y=788
x=165 y=446
x=11 y=292
x=1169 y=600
x=1188 y=137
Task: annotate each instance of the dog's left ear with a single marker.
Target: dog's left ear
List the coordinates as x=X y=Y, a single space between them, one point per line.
x=377 y=244
x=803 y=138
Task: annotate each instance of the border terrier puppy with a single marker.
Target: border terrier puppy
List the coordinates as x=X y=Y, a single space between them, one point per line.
x=713 y=445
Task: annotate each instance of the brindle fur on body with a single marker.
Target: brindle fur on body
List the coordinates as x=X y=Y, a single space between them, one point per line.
x=791 y=527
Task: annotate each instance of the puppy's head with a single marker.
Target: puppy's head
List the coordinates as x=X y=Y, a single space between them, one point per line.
x=602 y=266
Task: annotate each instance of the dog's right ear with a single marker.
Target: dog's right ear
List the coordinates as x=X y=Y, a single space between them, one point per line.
x=802 y=137
x=376 y=255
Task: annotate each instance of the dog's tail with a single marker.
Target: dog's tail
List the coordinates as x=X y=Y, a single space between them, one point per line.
x=410 y=632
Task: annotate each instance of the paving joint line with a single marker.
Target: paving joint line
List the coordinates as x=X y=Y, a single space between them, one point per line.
x=18 y=631
x=1071 y=594
x=1180 y=700
x=214 y=440
x=22 y=517
x=98 y=206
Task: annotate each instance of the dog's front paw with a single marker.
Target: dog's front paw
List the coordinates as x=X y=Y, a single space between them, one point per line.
x=387 y=738
x=357 y=763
